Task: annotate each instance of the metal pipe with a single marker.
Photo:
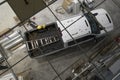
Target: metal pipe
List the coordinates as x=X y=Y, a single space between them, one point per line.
x=41 y=42
x=33 y=47
x=34 y=42
x=14 y=34
x=27 y=45
x=14 y=43
x=46 y=41
x=11 y=40
x=37 y=43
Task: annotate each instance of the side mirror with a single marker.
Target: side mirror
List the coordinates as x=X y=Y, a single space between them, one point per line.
x=95 y=14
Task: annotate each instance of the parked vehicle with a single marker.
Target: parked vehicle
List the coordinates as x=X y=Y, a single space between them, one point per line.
x=86 y=27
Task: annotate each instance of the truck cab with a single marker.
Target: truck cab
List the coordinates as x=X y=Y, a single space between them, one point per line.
x=85 y=27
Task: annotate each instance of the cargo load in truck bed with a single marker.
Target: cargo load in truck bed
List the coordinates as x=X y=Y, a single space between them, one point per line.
x=40 y=42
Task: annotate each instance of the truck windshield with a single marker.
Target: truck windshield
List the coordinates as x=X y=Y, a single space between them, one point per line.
x=93 y=24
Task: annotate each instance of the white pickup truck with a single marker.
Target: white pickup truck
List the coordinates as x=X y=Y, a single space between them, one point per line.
x=85 y=27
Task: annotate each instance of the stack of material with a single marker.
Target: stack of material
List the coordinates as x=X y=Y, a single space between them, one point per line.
x=12 y=40
x=40 y=42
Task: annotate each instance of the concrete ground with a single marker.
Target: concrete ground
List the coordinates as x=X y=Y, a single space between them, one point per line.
x=41 y=69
